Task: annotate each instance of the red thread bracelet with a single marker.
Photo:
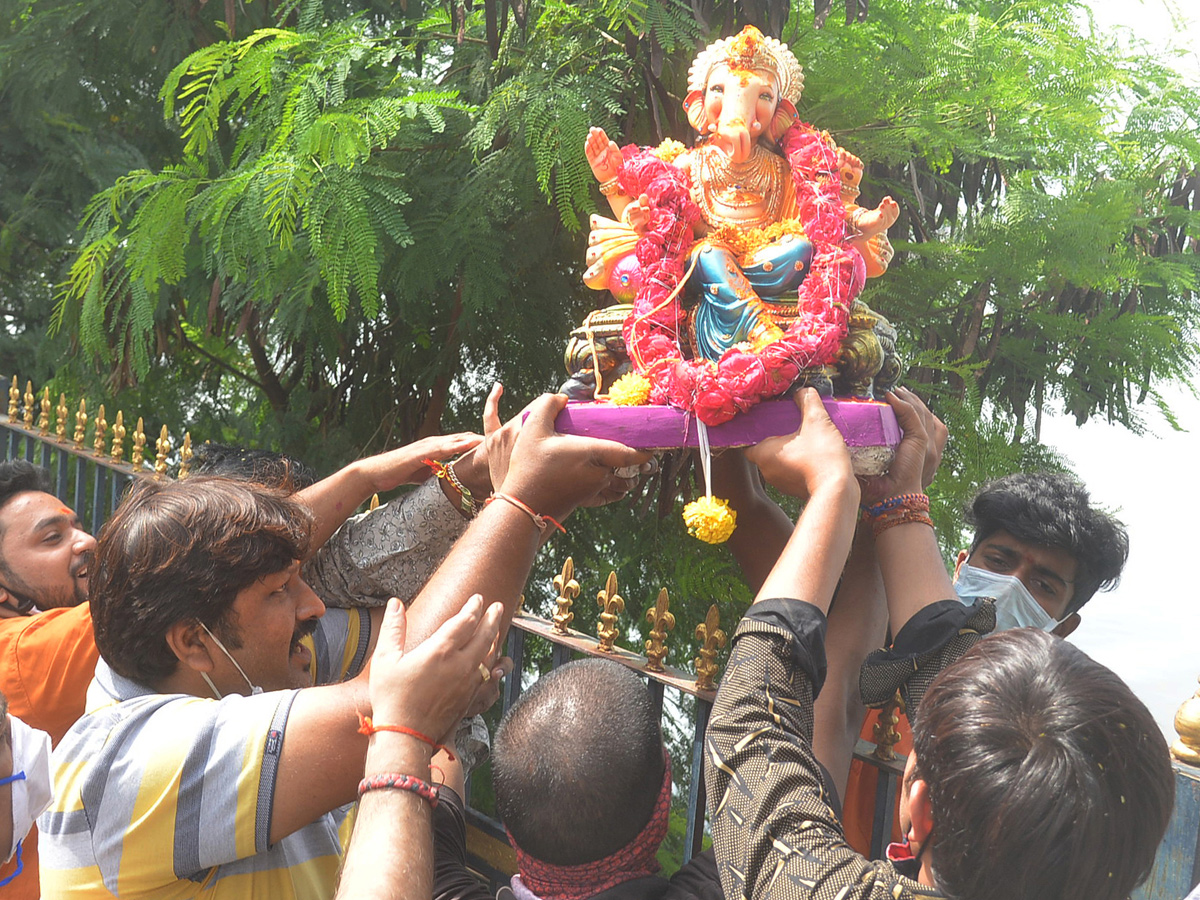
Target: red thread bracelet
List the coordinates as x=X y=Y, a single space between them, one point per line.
x=542 y=522
x=367 y=727
x=422 y=789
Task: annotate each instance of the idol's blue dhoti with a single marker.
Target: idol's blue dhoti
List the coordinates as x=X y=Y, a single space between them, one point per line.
x=729 y=306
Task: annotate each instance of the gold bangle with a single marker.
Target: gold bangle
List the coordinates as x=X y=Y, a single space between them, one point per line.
x=610 y=187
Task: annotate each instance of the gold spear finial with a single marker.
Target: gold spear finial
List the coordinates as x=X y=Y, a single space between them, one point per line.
x=118 y=437
x=661 y=621
x=185 y=456
x=44 y=413
x=81 y=419
x=1187 y=726
x=137 y=456
x=60 y=419
x=374 y=504
x=29 y=400
x=712 y=639
x=14 y=400
x=568 y=590
x=163 y=445
x=98 y=437
x=886 y=730
x=612 y=604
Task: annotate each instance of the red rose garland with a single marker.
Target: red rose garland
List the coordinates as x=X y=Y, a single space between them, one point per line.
x=716 y=391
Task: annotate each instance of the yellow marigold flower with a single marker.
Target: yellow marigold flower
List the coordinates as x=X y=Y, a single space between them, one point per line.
x=631 y=389
x=668 y=150
x=710 y=519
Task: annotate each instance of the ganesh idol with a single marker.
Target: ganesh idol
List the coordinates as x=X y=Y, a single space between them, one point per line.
x=736 y=225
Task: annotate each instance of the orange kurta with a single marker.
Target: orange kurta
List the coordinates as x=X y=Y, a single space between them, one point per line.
x=47 y=661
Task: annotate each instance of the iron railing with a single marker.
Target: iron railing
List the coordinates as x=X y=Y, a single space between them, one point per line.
x=89 y=472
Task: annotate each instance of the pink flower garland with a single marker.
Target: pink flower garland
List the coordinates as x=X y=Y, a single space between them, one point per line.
x=716 y=391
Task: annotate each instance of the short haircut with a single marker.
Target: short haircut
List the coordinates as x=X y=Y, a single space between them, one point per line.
x=1047 y=776
x=18 y=476
x=179 y=551
x=260 y=466
x=1053 y=510
x=578 y=763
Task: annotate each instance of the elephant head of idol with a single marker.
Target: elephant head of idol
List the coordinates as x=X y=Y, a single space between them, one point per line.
x=742 y=89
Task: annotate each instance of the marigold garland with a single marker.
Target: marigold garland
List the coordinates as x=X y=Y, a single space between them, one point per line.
x=716 y=391
x=710 y=519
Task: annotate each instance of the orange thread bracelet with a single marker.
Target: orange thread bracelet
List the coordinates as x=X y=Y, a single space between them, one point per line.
x=542 y=522
x=367 y=727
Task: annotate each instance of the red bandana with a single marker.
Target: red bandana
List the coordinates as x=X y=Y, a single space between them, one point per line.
x=637 y=859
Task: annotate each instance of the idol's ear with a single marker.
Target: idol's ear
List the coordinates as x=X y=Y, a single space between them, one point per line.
x=785 y=117
x=693 y=105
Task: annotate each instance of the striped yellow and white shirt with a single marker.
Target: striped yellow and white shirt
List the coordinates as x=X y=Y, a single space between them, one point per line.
x=170 y=796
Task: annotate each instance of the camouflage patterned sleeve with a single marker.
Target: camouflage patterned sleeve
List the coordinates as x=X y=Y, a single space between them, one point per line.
x=774 y=832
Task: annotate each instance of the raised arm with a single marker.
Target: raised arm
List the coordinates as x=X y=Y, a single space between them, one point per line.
x=551 y=474
x=335 y=499
x=426 y=690
x=914 y=574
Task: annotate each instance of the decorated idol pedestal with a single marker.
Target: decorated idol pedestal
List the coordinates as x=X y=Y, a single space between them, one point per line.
x=736 y=266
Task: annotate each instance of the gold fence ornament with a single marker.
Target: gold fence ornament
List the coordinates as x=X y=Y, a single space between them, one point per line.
x=886 y=729
x=712 y=639
x=612 y=604
x=60 y=419
x=14 y=400
x=163 y=446
x=661 y=621
x=81 y=420
x=137 y=456
x=29 y=401
x=44 y=414
x=98 y=437
x=185 y=456
x=374 y=504
x=1187 y=725
x=118 y=437
x=568 y=589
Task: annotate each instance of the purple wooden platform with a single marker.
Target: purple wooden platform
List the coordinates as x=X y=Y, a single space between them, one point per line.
x=863 y=423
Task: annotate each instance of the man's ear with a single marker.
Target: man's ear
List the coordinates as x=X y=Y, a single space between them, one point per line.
x=184 y=639
x=785 y=117
x=693 y=105
x=1067 y=625
x=920 y=810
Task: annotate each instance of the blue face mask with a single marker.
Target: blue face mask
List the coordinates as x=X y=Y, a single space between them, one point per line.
x=1015 y=606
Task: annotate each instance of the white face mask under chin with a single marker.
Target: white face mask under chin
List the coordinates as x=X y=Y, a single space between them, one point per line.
x=1015 y=606
x=254 y=688
x=30 y=793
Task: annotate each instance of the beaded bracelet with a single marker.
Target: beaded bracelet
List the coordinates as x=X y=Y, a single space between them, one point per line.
x=903 y=501
x=367 y=727
x=399 y=782
x=542 y=522
x=900 y=517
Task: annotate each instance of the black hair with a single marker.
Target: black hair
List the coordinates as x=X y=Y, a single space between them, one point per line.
x=267 y=467
x=578 y=763
x=18 y=476
x=1047 y=776
x=179 y=551
x=1054 y=510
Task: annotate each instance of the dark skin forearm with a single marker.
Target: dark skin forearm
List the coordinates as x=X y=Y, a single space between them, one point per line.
x=763 y=529
x=492 y=558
